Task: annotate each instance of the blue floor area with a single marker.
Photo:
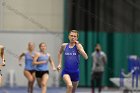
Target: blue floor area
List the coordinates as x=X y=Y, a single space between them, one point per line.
x=38 y=90
x=56 y=90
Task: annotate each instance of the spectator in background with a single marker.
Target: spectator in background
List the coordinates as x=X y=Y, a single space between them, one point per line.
x=99 y=61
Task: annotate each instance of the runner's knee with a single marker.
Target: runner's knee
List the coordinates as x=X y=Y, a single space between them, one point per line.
x=69 y=86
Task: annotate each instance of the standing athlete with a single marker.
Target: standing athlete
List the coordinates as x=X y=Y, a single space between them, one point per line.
x=72 y=51
x=41 y=60
x=29 y=70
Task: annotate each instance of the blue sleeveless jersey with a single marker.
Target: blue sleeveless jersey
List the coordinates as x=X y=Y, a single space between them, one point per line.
x=28 y=61
x=71 y=59
x=43 y=67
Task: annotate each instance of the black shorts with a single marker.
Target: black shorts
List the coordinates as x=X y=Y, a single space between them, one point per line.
x=0 y=72
x=39 y=74
x=31 y=71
